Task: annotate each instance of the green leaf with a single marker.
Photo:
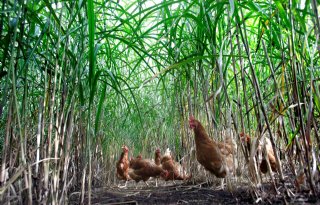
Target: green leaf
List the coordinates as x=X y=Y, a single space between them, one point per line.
x=292 y=135
x=92 y=59
x=316 y=100
x=283 y=13
x=100 y=106
x=94 y=86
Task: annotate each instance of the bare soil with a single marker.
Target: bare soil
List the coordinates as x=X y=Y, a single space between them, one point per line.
x=189 y=193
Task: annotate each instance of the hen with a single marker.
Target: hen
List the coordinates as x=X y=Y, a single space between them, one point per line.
x=157 y=160
x=123 y=165
x=269 y=152
x=157 y=157
x=143 y=169
x=216 y=157
x=271 y=157
x=175 y=170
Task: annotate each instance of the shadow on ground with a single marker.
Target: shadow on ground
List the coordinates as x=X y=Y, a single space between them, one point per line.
x=182 y=193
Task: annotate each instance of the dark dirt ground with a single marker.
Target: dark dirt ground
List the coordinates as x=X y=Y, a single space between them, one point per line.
x=187 y=193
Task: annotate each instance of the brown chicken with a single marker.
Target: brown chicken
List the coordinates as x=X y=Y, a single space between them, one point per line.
x=123 y=165
x=271 y=157
x=269 y=152
x=157 y=160
x=246 y=139
x=143 y=169
x=216 y=157
x=157 y=157
x=174 y=169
